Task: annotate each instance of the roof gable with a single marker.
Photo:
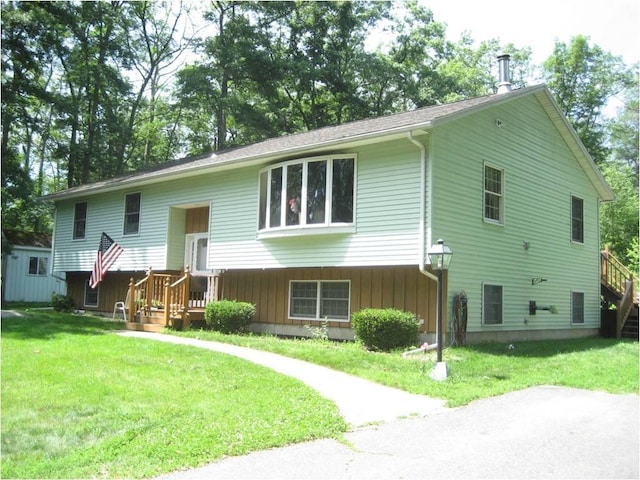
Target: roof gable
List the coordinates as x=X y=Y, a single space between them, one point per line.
x=362 y=131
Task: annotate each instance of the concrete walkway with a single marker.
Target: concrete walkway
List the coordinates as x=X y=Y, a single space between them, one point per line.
x=540 y=432
x=360 y=401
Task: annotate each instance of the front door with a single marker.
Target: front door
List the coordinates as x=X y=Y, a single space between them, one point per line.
x=196 y=250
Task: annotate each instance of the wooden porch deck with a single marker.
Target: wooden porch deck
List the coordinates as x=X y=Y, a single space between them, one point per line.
x=163 y=300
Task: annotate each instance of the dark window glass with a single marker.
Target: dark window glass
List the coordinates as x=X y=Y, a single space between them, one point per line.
x=132 y=214
x=275 y=205
x=80 y=220
x=294 y=193
x=316 y=191
x=492 y=304
x=342 y=192
x=577 y=220
x=577 y=307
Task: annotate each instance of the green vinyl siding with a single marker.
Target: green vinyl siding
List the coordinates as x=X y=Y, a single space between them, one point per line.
x=540 y=175
x=387 y=192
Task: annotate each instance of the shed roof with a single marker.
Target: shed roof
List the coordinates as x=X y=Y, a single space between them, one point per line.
x=362 y=131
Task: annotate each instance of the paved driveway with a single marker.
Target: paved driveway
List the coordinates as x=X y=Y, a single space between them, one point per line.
x=541 y=432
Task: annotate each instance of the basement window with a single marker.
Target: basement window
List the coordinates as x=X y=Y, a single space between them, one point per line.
x=577 y=307
x=491 y=304
x=90 y=295
x=307 y=195
x=319 y=300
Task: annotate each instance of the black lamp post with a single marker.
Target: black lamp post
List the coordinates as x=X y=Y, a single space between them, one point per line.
x=440 y=256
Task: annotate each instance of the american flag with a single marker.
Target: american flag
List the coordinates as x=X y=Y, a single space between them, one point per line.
x=108 y=253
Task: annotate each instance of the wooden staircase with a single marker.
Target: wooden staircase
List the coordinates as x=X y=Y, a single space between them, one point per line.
x=619 y=287
x=165 y=300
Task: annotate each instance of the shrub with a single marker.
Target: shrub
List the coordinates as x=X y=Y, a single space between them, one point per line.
x=229 y=316
x=385 y=329
x=62 y=303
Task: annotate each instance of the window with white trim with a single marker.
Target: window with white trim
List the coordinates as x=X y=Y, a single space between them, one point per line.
x=577 y=219
x=38 y=266
x=319 y=299
x=493 y=194
x=90 y=295
x=132 y=214
x=79 y=220
x=491 y=304
x=577 y=307
x=313 y=192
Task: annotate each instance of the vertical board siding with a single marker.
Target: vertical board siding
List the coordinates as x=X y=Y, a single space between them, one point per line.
x=404 y=288
x=540 y=175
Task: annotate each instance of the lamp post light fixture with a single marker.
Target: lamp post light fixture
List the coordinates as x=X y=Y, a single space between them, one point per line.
x=440 y=256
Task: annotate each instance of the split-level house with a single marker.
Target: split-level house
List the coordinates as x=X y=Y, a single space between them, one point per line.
x=314 y=226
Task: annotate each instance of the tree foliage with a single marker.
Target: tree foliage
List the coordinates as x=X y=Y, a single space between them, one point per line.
x=92 y=90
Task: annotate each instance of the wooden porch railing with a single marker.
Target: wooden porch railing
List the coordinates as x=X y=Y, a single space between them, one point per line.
x=615 y=276
x=176 y=297
x=170 y=293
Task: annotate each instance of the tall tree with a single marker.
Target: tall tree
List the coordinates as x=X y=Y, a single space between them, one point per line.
x=583 y=79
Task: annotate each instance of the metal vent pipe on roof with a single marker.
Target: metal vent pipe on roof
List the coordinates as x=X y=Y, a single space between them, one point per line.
x=504 y=79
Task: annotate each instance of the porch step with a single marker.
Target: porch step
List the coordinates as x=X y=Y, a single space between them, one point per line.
x=144 y=327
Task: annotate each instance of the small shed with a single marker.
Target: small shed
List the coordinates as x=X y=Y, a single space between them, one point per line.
x=26 y=275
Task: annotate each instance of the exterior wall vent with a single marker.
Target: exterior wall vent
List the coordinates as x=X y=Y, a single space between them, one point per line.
x=504 y=79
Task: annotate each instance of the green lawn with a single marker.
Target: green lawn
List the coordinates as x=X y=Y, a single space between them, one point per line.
x=79 y=402
x=475 y=371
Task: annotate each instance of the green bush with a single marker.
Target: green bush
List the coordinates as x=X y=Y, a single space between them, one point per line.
x=62 y=303
x=385 y=328
x=229 y=316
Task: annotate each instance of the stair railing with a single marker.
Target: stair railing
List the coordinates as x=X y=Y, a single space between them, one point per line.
x=176 y=297
x=619 y=278
x=624 y=307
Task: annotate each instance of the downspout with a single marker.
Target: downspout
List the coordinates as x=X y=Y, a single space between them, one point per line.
x=423 y=193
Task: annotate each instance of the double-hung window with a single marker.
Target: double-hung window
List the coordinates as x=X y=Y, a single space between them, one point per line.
x=132 y=214
x=493 y=194
x=90 y=295
x=491 y=304
x=577 y=219
x=79 y=220
x=307 y=193
x=319 y=300
x=38 y=266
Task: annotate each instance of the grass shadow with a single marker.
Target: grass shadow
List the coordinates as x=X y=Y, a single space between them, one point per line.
x=48 y=324
x=547 y=348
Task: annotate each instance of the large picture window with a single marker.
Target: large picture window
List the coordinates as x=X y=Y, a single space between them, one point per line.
x=132 y=214
x=312 y=192
x=493 y=195
x=319 y=300
x=491 y=304
x=79 y=220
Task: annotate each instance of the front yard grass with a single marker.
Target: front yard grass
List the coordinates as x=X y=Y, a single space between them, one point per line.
x=475 y=372
x=78 y=402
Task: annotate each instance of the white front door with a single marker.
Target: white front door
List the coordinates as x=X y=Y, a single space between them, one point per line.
x=196 y=251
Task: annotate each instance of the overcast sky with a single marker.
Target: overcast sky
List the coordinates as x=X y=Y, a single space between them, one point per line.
x=613 y=25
